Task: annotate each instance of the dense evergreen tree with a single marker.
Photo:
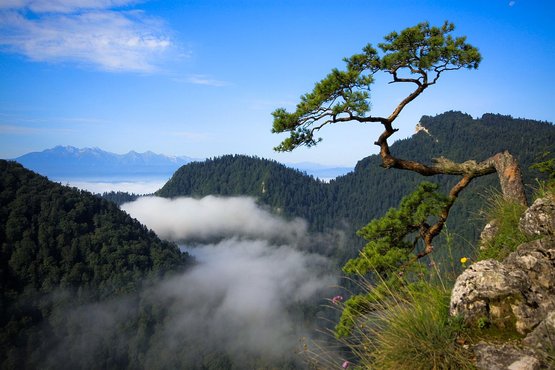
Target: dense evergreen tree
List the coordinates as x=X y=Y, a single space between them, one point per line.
x=289 y=192
x=61 y=248
x=80 y=282
x=119 y=197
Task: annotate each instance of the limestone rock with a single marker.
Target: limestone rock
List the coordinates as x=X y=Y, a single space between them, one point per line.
x=543 y=336
x=537 y=260
x=539 y=218
x=487 y=290
x=488 y=233
x=505 y=357
x=516 y=294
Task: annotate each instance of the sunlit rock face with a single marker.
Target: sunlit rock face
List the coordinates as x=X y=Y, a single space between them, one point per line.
x=517 y=294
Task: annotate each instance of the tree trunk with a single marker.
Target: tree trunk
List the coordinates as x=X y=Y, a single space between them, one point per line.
x=510 y=178
x=506 y=166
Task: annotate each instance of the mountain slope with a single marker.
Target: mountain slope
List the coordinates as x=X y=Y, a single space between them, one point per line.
x=61 y=248
x=73 y=162
x=287 y=191
x=370 y=189
x=351 y=201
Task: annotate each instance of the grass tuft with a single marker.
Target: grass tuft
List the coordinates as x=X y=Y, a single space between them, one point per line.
x=506 y=215
x=417 y=333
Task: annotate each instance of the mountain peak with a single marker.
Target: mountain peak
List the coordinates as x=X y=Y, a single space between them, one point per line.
x=69 y=161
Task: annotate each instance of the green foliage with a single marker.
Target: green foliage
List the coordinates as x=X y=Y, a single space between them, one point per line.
x=428 y=48
x=344 y=95
x=483 y=323
x=392 y=238
x=419 y=334
x=546 y=167
x=506 y=216
x=359 y=305
x=119 y=197
x=288 y=191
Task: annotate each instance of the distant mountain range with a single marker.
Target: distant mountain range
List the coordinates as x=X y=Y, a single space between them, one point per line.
x=71 y=162
x=66 y=162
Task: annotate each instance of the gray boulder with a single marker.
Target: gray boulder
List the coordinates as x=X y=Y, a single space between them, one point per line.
x=542 y=339
x=515 y=294
x=537 y=260
x=486 y=292
x=539 y=218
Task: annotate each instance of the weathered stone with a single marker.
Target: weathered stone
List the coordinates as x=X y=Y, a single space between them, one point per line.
x=488 y=233
x=537 y=260
x=517 y=294
x=505 y=357
x=487 y=290
x=542 y=337
x=539 y=218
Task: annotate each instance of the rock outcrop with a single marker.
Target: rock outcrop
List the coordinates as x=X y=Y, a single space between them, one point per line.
x=516 y=295
x=539 y=219
x=505 y=356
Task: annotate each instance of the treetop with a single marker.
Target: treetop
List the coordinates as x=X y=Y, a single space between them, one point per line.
x=417 y=55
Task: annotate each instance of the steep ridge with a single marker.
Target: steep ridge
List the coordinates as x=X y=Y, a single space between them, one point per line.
x=350 y=201
x=370 y=190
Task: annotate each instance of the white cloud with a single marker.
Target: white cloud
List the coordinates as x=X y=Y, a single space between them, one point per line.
x=88 y=32
x=137 y=187
x=205 y=80
x=211 y=216
x=241 y=296
x=248 y=286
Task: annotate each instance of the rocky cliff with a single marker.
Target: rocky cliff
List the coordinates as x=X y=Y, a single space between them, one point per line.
x=516 y=295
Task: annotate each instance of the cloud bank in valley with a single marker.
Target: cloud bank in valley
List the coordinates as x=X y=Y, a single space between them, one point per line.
x=240 y=295
x=244 y=299
x=248 y=297
x=99 y=187
x=209 y=217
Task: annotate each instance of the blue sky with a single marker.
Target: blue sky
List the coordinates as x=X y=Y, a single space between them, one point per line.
x=201 y=77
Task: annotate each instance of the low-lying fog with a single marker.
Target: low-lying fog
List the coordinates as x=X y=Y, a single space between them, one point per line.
x=129 y=185
x=241 y=292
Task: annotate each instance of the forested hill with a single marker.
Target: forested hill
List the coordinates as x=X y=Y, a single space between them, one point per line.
x=60 y=248
x=369 y=191
x=286 y=190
